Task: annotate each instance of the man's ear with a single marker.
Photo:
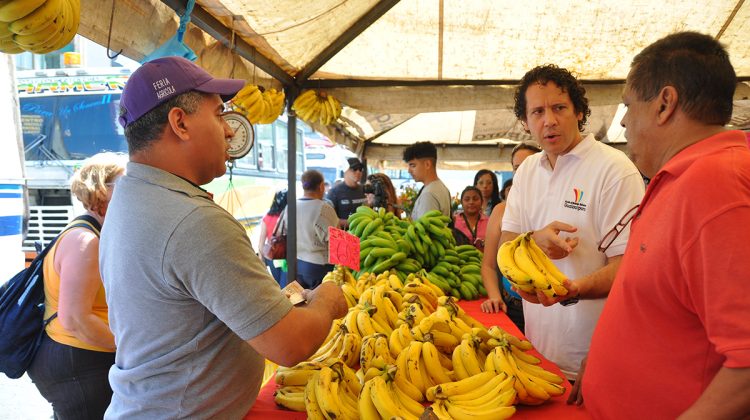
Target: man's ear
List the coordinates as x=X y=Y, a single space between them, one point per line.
x=525 y=127
x=667 y=101
x=176 y=120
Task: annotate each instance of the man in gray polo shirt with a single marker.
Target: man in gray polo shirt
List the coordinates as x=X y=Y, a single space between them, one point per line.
x=193 y=310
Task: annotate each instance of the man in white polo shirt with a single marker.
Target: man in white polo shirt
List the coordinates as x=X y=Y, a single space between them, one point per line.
x=570 y=195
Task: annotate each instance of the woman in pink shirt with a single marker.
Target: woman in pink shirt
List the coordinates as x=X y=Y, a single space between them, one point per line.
x=471 y=222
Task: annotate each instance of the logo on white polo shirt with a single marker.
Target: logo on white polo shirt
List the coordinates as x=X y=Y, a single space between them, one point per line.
x=577 y=203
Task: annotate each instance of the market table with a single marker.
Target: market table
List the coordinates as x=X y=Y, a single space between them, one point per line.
x=556 y=408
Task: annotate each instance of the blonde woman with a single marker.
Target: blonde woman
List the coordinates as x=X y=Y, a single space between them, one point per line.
x=71 y=366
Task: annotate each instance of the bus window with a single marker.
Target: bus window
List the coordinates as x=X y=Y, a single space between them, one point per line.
x=71 y=127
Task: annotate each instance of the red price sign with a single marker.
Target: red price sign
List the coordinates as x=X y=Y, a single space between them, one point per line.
x=343 y=248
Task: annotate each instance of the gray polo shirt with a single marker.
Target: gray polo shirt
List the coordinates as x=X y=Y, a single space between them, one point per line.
x=184 y=290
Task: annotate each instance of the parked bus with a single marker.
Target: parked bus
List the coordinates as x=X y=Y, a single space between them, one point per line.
x=68 y=115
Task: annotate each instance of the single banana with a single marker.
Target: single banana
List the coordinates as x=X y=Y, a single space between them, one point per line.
x=364 y=324
x=469 y=358
x=528 y=358
x=296 y=377
x=459 y=370
x=311 y=402
x=461 y=413
x=402 y=380
x=432 y=364
x=367 y=409
x=414 y=354
x=294 y=401
x=536 y=370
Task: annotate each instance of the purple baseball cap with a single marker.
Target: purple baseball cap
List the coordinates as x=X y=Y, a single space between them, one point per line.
x=159 y=80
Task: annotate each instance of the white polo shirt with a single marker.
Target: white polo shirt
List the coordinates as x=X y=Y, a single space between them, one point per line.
x=591 y=188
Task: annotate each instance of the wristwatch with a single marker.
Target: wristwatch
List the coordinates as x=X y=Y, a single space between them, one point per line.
x=569 y=302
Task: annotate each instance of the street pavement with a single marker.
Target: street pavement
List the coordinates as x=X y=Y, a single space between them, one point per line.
x=20 y=400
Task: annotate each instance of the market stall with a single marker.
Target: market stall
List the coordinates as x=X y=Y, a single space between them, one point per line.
x=265 y=408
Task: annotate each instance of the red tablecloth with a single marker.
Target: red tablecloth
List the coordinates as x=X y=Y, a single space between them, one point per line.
x=556 y=408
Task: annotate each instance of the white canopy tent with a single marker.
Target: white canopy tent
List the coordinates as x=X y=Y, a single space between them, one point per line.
x=439 y=70
x=442 y=70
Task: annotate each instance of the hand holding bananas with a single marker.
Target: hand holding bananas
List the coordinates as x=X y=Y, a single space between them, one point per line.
x=532 y=273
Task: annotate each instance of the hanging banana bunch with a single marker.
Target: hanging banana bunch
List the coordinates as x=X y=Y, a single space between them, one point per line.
x=260 y=106
x=317 y=107
x=38 y=26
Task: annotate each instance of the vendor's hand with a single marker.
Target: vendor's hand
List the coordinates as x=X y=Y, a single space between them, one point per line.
x=541 y=298
x=491 y=306
x=549 y=240
x=331 y=295
x=576 y=394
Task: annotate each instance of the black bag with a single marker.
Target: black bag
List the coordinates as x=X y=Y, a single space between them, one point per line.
x=275 y=247
x=22 y=320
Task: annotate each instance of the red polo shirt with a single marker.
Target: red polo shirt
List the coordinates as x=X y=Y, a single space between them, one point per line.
x=678 y=309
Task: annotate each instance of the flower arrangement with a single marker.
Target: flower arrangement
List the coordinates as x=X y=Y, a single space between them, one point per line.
x=407 y=198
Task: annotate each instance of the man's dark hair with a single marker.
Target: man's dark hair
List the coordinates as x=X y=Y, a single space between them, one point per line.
x=421 y=150
x=149 y=127
x=524 y=146
x=311 y=180
x=697 y=66
x=563 y=79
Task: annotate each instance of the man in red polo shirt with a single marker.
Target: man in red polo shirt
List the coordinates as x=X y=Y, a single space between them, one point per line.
x=674 y=337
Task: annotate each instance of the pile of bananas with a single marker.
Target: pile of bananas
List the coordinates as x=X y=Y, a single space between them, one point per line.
x=260 y=106
x=410 y=344
x=528 y=268
x=317 y=107
x=344 y=279
x=387 y=242
x=38 y=26
x=485 y=395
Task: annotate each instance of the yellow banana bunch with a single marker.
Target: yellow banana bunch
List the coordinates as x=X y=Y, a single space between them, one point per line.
x=317 y=107
x=483 y=396
x=260 y=106
x=533 y=384
x=344 y=278
x=381 y=398
x=375 y=352
x=38 y=26
x=328 y=396
x=528 y=268
x=291 y=397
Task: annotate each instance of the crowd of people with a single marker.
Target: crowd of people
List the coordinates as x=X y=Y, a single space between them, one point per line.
x=173 y=302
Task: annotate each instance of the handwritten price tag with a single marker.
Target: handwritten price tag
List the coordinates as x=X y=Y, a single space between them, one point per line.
x=343 y=248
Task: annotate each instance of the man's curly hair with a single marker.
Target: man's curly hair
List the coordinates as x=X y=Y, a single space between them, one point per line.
x=562 y=78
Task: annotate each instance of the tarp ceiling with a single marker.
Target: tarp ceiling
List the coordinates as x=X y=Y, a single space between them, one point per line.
x=439 y=70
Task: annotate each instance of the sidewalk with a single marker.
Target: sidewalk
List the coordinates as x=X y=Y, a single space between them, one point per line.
x=20 y=400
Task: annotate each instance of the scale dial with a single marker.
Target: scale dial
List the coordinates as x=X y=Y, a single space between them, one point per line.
x=244 y=136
